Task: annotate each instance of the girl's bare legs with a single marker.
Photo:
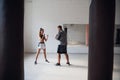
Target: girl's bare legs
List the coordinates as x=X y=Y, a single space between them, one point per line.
x=37 y=54
x=45 y=56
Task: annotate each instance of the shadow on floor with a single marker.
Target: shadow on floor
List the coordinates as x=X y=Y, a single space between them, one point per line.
x=74 y=66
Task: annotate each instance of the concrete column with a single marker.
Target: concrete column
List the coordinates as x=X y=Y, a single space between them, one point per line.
x=101 y=39
x=11 y=39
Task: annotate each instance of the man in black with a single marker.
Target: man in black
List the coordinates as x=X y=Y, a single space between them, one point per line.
x=62 y=48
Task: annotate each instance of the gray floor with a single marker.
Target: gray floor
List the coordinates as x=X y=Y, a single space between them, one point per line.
x=48 y=71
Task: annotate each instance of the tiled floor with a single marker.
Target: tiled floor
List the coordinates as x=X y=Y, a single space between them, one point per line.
x=48 y=71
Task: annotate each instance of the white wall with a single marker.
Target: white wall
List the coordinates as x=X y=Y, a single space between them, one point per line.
x=117 y=17
x=76 y=34
x=117 y=21
x=50 y=13
x=28 y=26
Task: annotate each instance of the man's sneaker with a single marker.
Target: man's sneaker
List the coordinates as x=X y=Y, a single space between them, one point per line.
x=68 y=63
x=58 y=64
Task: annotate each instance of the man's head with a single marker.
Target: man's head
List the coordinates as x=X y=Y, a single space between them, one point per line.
x=59 y=28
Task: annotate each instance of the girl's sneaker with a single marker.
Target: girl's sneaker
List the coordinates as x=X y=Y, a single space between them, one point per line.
x=35 y=62
x=47 y=61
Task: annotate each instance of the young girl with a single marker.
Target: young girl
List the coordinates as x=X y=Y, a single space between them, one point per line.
x=41 y=45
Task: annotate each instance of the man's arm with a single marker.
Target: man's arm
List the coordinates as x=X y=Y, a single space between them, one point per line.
x=58 y=36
